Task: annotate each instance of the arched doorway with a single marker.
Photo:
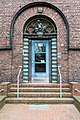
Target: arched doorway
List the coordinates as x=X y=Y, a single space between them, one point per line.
x=40 y=50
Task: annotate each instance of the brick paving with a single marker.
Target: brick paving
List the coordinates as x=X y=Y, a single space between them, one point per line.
x=46 y=112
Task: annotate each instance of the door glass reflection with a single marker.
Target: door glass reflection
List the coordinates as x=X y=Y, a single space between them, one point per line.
x=40 y=57
x=40 y=47
x=40 y=68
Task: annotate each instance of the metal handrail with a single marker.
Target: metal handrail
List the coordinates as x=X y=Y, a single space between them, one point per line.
x=20 y=67
x=60 y=81
x=77 y=90
x=1 y=90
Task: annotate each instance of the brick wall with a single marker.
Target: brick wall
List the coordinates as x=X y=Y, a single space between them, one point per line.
x=10 y=60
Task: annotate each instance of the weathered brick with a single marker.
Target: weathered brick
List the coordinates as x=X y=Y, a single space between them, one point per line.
x=10 y=60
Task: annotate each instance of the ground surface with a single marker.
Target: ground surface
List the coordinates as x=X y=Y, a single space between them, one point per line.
x=39 y=112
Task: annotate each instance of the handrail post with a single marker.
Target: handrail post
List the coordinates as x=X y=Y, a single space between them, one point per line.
x=20 y=67
x=60 y=81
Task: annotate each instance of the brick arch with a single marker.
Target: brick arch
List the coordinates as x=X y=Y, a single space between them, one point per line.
x=34 y=4
x=18 y=37
x=48 y=19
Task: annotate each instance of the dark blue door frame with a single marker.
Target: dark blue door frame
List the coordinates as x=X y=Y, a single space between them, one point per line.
x=40 y=59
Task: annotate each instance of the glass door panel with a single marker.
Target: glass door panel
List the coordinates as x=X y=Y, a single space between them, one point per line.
x=40 y=57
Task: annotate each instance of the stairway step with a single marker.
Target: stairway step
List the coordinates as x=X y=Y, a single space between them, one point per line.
x=41 y=89
x=39 y=100
x=41 y=85
x=39 y=94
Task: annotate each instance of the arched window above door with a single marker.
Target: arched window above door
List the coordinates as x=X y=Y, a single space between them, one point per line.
x=40 y=25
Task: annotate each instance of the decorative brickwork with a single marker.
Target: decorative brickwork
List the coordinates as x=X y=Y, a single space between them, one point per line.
x=11 y=60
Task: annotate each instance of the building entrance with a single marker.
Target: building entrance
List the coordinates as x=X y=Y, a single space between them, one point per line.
x=40 y=51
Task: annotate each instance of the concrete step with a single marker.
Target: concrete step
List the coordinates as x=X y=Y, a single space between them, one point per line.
x=39 y=100
x=39 y=94
x=41 y=89
x=51 y=85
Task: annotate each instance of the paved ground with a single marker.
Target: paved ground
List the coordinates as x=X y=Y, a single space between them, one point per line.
x=39 y=112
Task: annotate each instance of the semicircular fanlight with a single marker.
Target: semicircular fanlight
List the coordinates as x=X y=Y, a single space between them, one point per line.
x=40 y=26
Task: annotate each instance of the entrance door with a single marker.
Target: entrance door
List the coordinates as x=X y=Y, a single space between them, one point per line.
x=40 y=61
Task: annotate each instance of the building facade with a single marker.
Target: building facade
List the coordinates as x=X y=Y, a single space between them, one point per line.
x=40 y=36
